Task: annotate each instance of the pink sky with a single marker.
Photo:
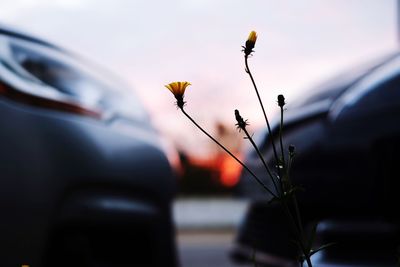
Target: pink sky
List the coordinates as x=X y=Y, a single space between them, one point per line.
x=151 y=43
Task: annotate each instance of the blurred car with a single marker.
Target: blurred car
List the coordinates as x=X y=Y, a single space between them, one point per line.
x=85 y=180
x=347 y=138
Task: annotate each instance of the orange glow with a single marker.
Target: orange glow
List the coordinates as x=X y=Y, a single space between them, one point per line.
x=227 y=168
x=206 y=163
x=230 y=172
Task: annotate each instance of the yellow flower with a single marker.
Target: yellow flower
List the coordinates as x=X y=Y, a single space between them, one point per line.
x=178 y=89
x=252 y=37
x=250 y=43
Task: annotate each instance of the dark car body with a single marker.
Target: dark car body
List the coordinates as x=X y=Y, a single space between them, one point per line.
x=84 y=180
x=347 y=138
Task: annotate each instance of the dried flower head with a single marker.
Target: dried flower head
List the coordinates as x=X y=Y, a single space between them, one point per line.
x=178 y=89
x=250 y=43
x=241 y=123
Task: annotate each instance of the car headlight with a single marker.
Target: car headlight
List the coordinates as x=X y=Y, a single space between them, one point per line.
x=42 y=75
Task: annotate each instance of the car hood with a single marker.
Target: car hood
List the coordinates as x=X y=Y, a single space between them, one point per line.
x=319 y=100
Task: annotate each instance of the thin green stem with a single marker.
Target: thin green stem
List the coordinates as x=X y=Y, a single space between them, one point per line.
x=297 y=211
x=296 y=231
x=280 y=138
x=230 y=154
x=308 y=259
x=295 y=202
x=296 y=223
x=298 y=216
x=289 y=166
x=261 y=158
x=262 y=107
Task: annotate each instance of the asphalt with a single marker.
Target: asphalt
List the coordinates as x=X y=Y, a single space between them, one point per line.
x=209 y=213
x=206 y=230
x=206 y=248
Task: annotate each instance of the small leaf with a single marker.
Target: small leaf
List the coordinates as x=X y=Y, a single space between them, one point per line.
x=273 y=200
x=312 y=252
x=296 y=189
x=312 y=236
x=292 y=191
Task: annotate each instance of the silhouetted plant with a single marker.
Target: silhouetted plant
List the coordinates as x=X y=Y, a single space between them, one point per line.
x=283 y=191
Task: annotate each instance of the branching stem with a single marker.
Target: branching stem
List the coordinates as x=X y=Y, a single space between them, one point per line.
x=261 y=158
x=282 y=169
x=230 y=154
x=262 y=107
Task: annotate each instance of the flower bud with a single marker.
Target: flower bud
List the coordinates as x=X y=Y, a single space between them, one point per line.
x=250 y=43
x=281 y=100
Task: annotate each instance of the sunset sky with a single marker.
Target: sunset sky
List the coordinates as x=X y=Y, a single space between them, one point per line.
x=151 y=43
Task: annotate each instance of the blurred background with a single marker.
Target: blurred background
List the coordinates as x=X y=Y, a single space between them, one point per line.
x=152 y=43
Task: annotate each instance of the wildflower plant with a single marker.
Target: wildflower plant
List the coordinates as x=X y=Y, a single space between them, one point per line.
x=283 y=191
x=178 y=89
